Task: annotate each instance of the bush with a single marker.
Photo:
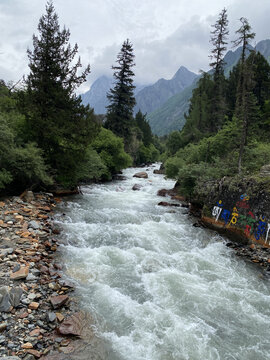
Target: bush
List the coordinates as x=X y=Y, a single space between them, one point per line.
x=110 y=148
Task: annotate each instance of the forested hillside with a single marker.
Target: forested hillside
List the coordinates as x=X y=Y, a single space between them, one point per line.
x=171 y=116
x=227 y=126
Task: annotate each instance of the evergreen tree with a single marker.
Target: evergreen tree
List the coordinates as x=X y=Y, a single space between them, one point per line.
x=218 y=39
x=245 y=101
x=121 y=97
x=142 y=123
x=57 y=121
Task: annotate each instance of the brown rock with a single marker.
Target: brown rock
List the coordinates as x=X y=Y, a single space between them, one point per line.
x=23 y=315
x=20 y=274
x=162 y=192
x=35 y=332
x=2 y=204
x=58 y=301
x=73 y=325
x=36 y=353
x=164 y=203
x=141 y=175
x=60 y=317
x=27 y=345
x=252 y=246
x=33 y=305
x=3 y=326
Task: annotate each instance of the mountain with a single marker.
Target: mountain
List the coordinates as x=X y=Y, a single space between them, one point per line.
x=148 y=98
x=154 y=96
x=170 y=116
x=96 y=97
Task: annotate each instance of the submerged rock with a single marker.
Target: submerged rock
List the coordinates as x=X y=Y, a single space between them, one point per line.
x=136 y=187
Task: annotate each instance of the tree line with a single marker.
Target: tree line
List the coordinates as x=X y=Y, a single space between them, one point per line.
x=48 y=138
x=227 y=127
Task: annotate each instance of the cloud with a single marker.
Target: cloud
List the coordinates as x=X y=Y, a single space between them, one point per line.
x=165 y=34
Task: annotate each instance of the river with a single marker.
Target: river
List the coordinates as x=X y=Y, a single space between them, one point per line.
x=159 y=288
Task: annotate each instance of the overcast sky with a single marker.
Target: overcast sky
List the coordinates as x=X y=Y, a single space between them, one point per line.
x=165 y=33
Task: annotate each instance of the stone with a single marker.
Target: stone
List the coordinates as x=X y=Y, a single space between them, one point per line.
x=34 y=225
x=10 y=358
x=35 y=332
x=5 y=305
x=136 y=187
x=3 y=326
x=164 y=203
x=5 y=252
x=21 y=274
x=30 y=277
x=73 y=325
x=141 y=175
x=58 y=301
x=27 y=196
x=15 y=295
x=36 y=353
x=60 y=317
x=51 y=316
x=27 y=345
x=33 y=305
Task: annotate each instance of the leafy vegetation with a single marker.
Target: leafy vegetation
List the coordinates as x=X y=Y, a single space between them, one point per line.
x=228 y=137
x=47 y=137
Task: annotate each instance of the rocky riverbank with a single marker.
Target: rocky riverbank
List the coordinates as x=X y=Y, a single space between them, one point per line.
x=39 y=315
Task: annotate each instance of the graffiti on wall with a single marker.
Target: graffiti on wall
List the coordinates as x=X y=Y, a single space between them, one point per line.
x=243 y=217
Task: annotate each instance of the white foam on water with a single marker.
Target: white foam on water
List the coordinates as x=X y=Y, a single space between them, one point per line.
x=159 y=288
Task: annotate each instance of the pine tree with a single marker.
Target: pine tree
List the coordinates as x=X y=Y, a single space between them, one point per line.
x=142 y=123
x=218 y=39
x=121 y=97
x=57 y=121
x=245 y=100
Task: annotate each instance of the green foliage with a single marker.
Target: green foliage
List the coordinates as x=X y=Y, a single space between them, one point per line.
x=110 y=148
x=147 y=154
x=174 y=142
x=143 y=125
x=92 y=168
x=56 y=120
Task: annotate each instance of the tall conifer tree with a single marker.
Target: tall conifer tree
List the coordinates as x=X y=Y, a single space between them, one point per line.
x=57 y=121
x=245 y=100
x=121 y=97
x=218 y=39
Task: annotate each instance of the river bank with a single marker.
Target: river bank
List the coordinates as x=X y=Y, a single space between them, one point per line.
x=39 y=314
x=257 y=253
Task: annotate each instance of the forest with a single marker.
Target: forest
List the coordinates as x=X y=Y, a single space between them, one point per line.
x=49 y=139
x=228 y=123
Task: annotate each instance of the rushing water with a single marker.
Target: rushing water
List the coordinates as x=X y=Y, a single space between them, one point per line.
x=159 y=288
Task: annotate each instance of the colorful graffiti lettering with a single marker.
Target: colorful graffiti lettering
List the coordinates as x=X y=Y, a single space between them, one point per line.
x=234 y=216
x=216 y=212
x=260 y=228
x=226 y=215
x=244 y=197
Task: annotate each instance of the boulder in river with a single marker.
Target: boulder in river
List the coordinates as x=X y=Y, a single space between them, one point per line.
x=165 y=203
x=136 y=187
x=141 y=175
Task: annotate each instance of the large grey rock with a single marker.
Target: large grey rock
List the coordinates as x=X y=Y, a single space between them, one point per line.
x=15 y=295
x=9 y=298
x=10 y=358
x=4 y=299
